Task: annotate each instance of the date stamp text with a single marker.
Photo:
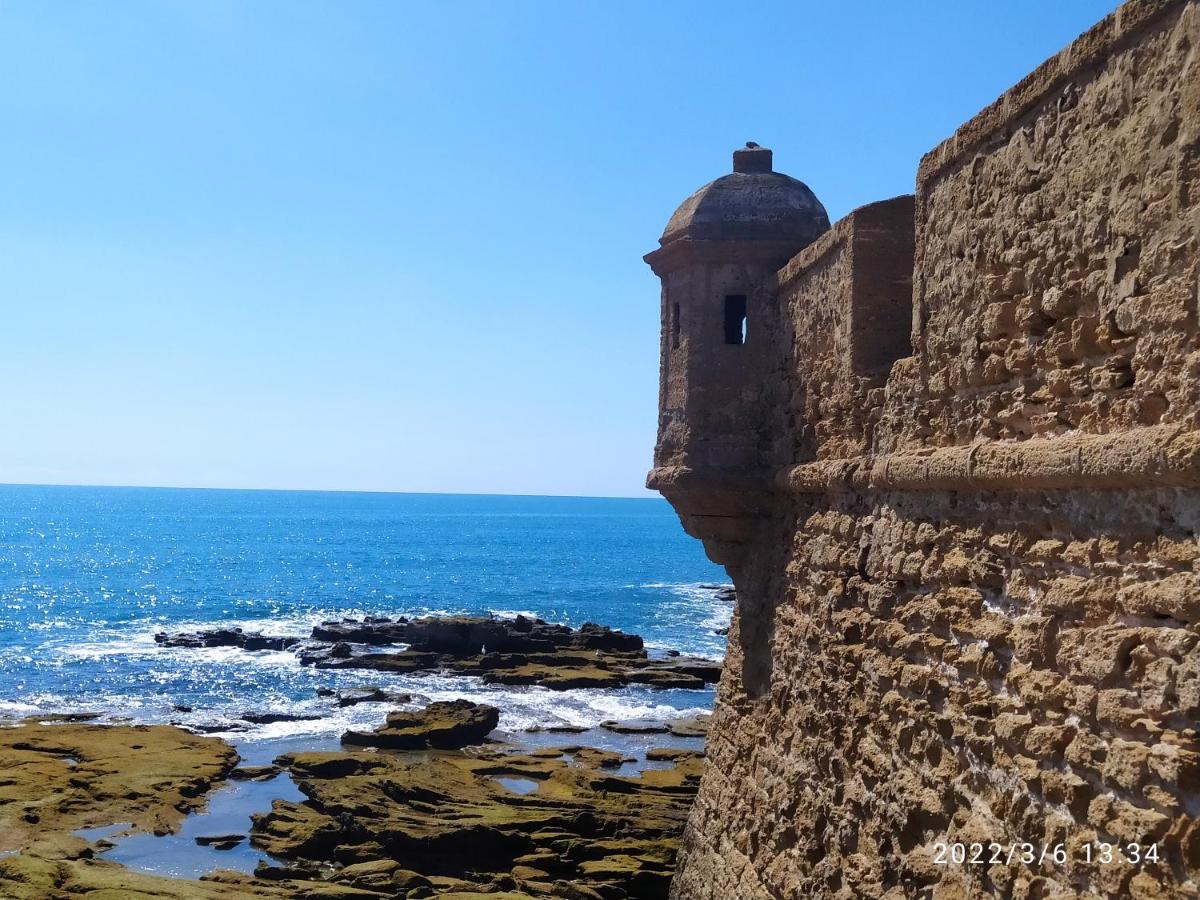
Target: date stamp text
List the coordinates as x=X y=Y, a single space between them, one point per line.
x=995 y=853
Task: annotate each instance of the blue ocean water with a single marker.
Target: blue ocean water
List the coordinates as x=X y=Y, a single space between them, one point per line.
x=88 y=575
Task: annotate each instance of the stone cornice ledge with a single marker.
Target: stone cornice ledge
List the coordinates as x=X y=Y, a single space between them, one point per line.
x=685 y=478
x=1155 y=456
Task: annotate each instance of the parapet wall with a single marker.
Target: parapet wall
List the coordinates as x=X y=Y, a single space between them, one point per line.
x=971 y=612
x=847 y=300
x=1057 y=275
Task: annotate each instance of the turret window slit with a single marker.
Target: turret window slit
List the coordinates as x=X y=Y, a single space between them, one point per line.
x=735 y=318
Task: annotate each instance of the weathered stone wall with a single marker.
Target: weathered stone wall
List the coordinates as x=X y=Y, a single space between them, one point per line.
x=1057 y=245
x=847 y=305
x=715 y=406
x=972 y=611
x=1019 y=667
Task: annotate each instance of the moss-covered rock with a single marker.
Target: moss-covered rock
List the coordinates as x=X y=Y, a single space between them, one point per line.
x=57 y=778
x=453 y=724
x=448 y=816
x=375 y=825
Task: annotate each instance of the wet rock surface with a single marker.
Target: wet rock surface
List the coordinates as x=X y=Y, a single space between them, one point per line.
x=518 y=651
x=453 y=724
x=62 y=777
x=554 y=822
x=638 y=727
x=225 y=637
x=368 y=695
x=255 y=773
x=582 y=832
x=149 y=776
x=220 y=841
x=270 y=718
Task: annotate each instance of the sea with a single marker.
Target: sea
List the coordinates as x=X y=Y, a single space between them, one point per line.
x=88 y=576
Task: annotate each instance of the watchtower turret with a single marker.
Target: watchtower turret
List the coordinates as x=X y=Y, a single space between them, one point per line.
x=722 y=333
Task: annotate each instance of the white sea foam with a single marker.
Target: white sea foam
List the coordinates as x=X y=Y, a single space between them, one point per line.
x=17 y=708
x=224 y=683
x=513 y=613
x=694 y=603
x=522 y=708
x=49 y=625
x=137 y=639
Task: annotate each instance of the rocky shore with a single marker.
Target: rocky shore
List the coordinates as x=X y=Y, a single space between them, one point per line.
x=518 y=651
x=553 y=822
x=431 y=803
x=450 y=816
x=61 y=777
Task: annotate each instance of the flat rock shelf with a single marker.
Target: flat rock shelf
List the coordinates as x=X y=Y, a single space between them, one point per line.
x=545 y=818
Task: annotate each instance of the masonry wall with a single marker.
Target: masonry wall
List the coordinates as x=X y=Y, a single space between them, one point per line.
x=847 y=305
x=714 y=409
x=1057 y=245
x=973 y=614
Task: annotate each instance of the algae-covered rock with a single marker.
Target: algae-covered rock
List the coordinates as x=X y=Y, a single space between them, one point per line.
x=57 y=778
x=375 y=825
x=384 y=875
x=448 y=816
x=27 y=877
x=664 y=678
x=670 y=754
x=457 y=723
x=596 y=758
x=558 y=677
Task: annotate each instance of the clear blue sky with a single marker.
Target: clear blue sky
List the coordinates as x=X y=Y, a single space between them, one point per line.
x=397 y=246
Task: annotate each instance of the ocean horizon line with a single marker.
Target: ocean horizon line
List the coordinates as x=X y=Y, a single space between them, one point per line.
x=648 y=495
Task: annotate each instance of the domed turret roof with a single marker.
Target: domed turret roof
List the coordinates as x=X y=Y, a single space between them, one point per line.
x=752 y=203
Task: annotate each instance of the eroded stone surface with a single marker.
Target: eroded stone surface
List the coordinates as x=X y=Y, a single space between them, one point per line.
x=57 y=778
x=54 y=777
x=966 y=566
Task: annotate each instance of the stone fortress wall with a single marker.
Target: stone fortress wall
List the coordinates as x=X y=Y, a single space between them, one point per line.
x=967 y=553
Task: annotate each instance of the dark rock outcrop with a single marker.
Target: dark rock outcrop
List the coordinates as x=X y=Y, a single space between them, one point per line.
x=254 y=773
x=220 y=841
x=465 y=636
x=519 y=651
x=371 y=695
x=635 y=727
x=226 y=637
x=445 y=725
x=371 y=630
